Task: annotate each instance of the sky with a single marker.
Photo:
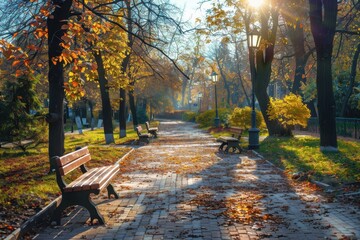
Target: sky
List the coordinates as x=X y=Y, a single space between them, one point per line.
x=191 y=9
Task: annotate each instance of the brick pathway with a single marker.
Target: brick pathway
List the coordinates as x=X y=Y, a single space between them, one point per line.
x=180 y=187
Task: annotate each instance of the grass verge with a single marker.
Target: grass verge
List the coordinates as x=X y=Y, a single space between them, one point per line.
x=302 y=154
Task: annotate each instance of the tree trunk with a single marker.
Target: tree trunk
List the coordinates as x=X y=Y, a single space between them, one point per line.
x=133 y=108
x=124 y=66
x=92 y=120
x=241 y=81
x=226 y=84
x=183 y=90
x=351 y=82
x=56 y=80
x=122 y=113
x=297 y=38
x=262 y=79
x=105 y=99
x=323 y=16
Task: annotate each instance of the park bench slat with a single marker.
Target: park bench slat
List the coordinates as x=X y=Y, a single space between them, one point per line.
x=72 y=156
x=74 y=164
x=95 y=179
x=225 y=139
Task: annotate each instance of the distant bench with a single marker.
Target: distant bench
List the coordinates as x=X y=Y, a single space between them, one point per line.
x=152 y=130
x=91 y=181
x=143 y=137
x=231 y=143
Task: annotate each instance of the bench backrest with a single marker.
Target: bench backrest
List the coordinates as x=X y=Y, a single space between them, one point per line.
x=138 y=130
x=147 y=125
x=72 y=160
x=237 y=132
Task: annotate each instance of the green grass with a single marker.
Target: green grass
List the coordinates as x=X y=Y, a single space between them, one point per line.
x=24 y=179
x=303 y=154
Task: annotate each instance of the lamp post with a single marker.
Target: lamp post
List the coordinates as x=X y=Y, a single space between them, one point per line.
x=199 y=100
x=254 y=39
x=214 y=78
x=190 y=102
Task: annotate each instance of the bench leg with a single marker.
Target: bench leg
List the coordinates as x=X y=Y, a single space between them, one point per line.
x=94 y=213
x=58 y=211
x=111 y=191
x=221 y=148
x=77 y=198
x=234 y=147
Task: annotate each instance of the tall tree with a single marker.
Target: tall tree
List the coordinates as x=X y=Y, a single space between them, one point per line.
x=269 y=20
x=323 y=15
x=55 y=118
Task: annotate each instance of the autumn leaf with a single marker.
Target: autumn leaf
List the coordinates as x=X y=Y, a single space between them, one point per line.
x=15 y=63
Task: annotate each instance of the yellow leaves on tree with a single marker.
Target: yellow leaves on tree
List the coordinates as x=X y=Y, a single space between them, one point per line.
x=289 y=111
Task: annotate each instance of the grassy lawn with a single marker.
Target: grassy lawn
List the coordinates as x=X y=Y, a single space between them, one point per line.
x=302 y=154
x=24 y=179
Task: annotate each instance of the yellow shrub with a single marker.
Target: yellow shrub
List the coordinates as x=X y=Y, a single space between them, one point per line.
x=241 y=117
x=289 y=111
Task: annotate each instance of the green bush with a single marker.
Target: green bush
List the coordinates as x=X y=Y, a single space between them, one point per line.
x=241 y=117
x=206 y=119
x=189 y=116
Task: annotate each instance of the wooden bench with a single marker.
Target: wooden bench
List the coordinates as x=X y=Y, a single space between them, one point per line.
x=231 y=143
x=143 y=137
x=152 y=130
x=78 y=191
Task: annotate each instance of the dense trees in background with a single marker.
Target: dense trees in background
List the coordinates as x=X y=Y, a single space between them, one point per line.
x=137 y=57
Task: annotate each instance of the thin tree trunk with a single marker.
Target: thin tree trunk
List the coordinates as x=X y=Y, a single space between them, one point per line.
x=183 y=90
x=352 y=81
x=133 y=108
x=122 y=113
x=56 y=80
x=105 y=99
x=239 y=74
x=223 y=77
x=92 y=120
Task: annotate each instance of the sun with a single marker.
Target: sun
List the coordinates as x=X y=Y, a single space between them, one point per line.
x=255 y=3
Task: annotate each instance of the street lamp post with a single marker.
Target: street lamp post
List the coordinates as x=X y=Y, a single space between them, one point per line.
x=254 y=39
x=214 y=78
